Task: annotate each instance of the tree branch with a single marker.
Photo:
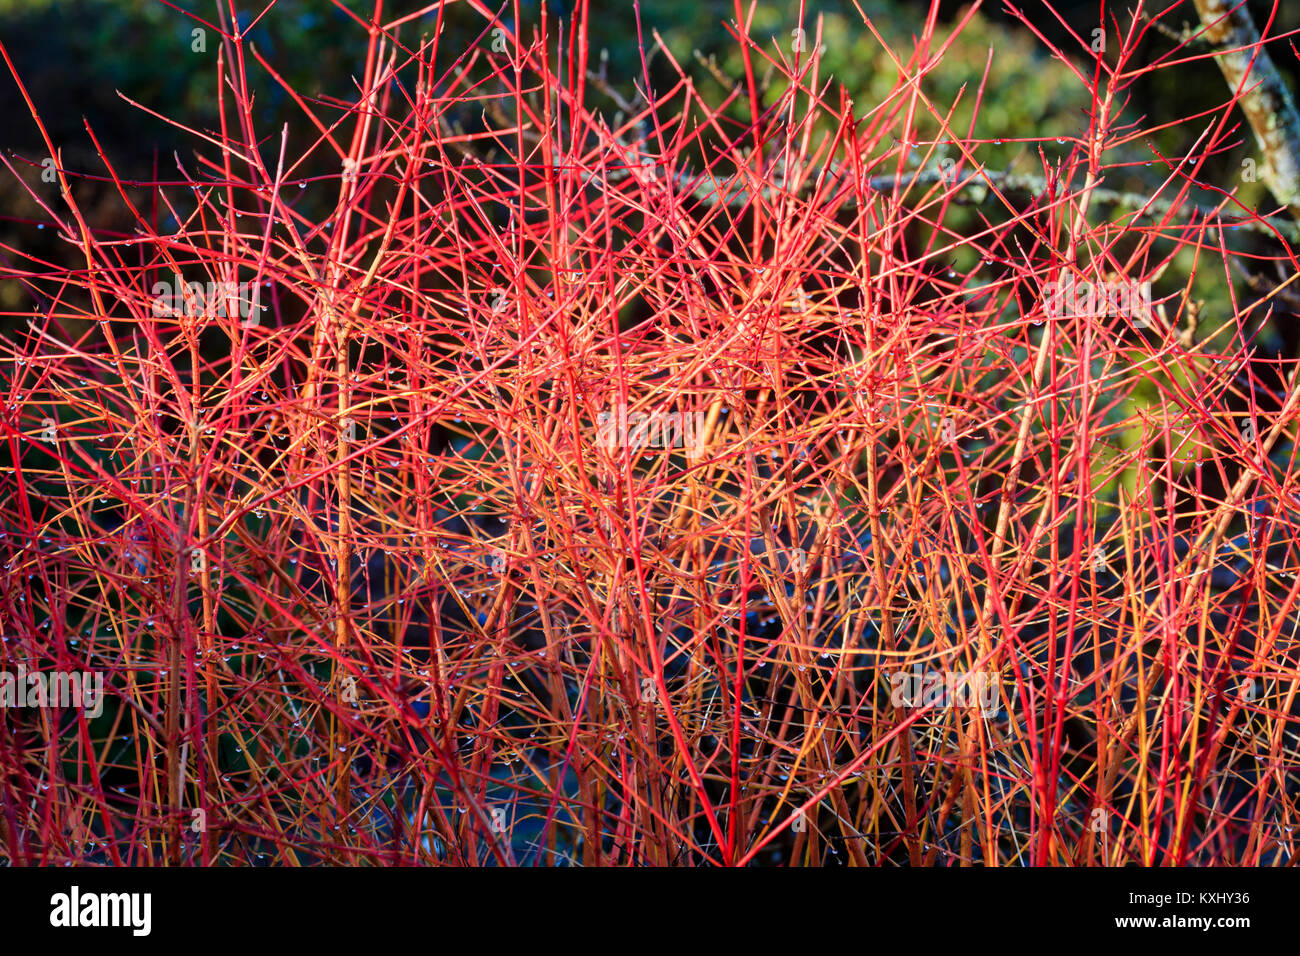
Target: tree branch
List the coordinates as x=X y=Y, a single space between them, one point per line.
x=1265 y=98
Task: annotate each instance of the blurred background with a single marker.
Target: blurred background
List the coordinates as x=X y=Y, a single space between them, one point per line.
x=81 y=60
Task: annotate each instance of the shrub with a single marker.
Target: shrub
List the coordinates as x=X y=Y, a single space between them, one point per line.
x=652 y=477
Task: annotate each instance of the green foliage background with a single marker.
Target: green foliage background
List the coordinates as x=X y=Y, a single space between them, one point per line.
x=79 y=57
